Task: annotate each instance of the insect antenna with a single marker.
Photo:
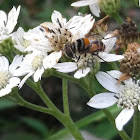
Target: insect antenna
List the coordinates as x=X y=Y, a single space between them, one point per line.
x=99 y=57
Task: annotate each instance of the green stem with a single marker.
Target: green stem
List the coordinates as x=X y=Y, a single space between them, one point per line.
x=136 y=126
x=90 y=85
x=38 y=89
x=84 y=122
x=122 y=133
x=82 y=82
x=70 y=125
x=64 y=119
x=19 y=100
x=44 y=97
x=73 y=129
x=117 y=18
x=11 y=99
x=65 y=97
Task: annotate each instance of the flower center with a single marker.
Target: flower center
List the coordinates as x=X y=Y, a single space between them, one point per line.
x=59 y=38
x=130 y=96
x=3 y=31
x=37 y=62
x=25 y=43
x=86 y=60
x=4 y=78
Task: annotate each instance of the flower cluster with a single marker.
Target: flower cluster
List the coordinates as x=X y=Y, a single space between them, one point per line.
x=74 y=46
x=126 y=95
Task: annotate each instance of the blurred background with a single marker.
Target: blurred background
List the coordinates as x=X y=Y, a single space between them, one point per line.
x=19 y=123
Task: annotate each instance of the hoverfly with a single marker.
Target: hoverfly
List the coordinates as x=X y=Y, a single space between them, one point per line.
x=85 y=45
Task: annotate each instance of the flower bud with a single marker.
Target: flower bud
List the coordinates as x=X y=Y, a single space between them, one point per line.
x=95 y=68
x=110 y=7
x=130 y=65
x=6 y=46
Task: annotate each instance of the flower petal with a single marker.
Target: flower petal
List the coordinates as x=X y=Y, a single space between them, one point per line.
x=38 y=74
x=21 y=72
x=123 y=118
x=66 y=67
x=16 y=61
x=4 y=63
x=115 y=73
x=13 y=82
x=139 y=107
x=24 y=79
x=95 y=9
x=102 y=100
x=5 y=91
x=12 y=19
x=109 y=42
x=86 y=26
x=36 y=38
x=58 y=20
x=81 y=73
x=18 y=39
x=108 y=82
x=52 y=59
x=80 y=23
x=47 y=25
x=3 y=19
x=110 y=57
x=83 y=3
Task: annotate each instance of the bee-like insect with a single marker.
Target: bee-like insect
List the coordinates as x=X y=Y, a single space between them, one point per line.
x=84 y=45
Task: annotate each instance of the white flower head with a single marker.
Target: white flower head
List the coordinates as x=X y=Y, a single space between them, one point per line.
x=88 y=61
x=105 y=56
x=37 y=40
x=19 y=42
x=82 y=66
x=35 y=64
x=60 y=32
x=8 y=79
x=93 y=4
x=8 y=22
x=126 y=95
x=34 y=39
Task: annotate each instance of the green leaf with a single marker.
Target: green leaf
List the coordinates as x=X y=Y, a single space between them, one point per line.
x=5 y=103
x=36 y=125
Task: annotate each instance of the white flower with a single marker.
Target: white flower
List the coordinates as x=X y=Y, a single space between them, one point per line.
x=93 y=5
x=37 y=40
x=88 y=61
x=67 y=67
x=32 y=40
x=52 y=59
x=8 y=23
x=8 y=80
x=126 y=95
x=20 y=43
x=35 y=64
x=60 y=32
